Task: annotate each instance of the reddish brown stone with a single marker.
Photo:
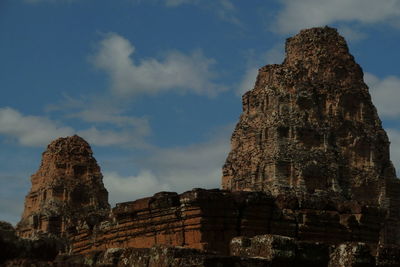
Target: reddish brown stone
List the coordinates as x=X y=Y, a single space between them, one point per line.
x=309 y=127
x=66 y=190
x=308 y=181
x=201 y=219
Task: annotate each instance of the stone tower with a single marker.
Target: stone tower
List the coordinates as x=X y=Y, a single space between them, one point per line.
x=309 y=127
x=67 y=190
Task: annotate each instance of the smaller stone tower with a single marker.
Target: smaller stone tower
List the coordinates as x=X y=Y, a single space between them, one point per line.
x=67 y=190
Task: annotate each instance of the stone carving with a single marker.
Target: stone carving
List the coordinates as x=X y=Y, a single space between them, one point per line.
x=309 y=127
x=66 y=190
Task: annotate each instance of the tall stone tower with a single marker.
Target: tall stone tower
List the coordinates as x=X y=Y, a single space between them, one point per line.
x=309 y=127
x=67 y=190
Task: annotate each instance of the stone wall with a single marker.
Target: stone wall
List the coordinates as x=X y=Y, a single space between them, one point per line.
x=202 y=219
x=209 y=219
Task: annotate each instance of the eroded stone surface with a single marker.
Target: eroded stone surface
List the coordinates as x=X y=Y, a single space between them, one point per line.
x=308 y=182
x=286 y=251
x=309 y=124
x=281 y=250
x=209 y=219
x=201 y=219
x=162 y=256
x=352 y=255
x=66 y=190
x=309 y=127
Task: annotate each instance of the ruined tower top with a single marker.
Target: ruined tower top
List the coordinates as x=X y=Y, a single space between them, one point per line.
x=309 y=126
x=72 y=146
x=67 y=188
x=311 y=43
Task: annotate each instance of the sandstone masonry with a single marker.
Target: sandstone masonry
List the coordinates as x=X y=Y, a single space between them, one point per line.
x=308 y=182
x=309 y=127
x=66 y=191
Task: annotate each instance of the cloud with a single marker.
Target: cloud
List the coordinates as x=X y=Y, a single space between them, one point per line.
x=298 y=14
x=178 y=169
x=36 y=131
x=226 y=11
x=12 y=192
x=394 y=137
x=108 y=137
x=177 y=71
x=197 y=165
x=110 y=114
x=99 y=115
x=30 y=130
x=129 y=188
x=248 y=81
x=351 y=34
x=385 y=94
x=108 y=126
x=101 y=110
x=11 y=208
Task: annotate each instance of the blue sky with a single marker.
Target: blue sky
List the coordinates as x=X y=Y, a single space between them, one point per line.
x=155 y=86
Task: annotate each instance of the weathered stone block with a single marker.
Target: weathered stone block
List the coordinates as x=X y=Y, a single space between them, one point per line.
x=352 y=255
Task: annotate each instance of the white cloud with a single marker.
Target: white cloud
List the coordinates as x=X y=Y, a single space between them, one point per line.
x=394 y=137
x=129 y=188
x=99 y=115
x=111 y=137
x=248 y=81
x=274 y=55
x=178 y=169
x=12 y=192
x=11 y=208
x=37 y=131
x=30 y=130
x=104 y=110
x=351 y=34
x=177 y=71
x=197 y=165
x=385 y=94
x=108 y=125
x=298 y=14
